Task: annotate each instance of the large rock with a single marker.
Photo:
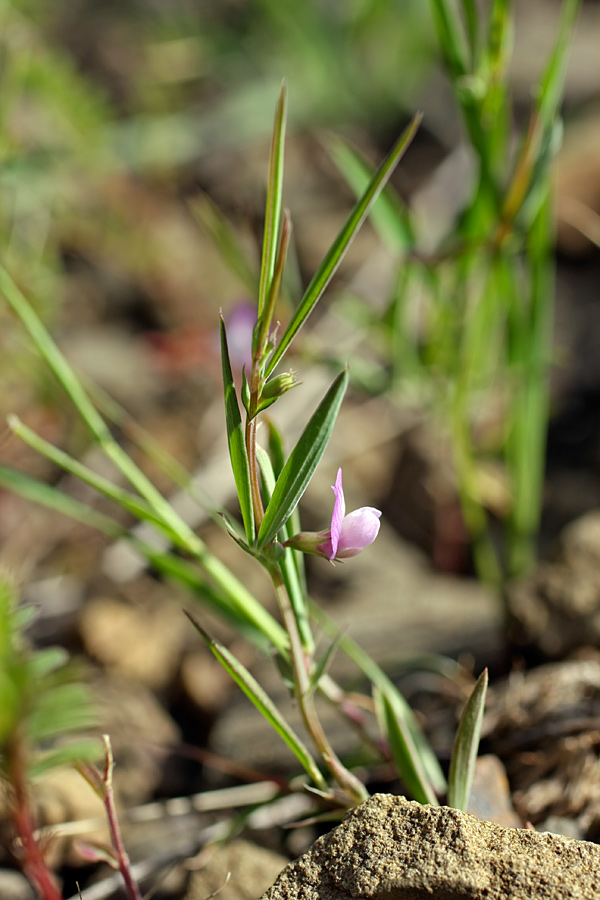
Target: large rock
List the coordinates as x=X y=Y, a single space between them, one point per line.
x=392 y=849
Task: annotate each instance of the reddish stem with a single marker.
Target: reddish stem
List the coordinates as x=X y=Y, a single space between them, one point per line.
x=32 y=860
x=131 y=888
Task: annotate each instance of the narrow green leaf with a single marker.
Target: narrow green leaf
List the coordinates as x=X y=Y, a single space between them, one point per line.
x=125 y=499
x=226 y=240
x=287 y=565
x=302 y=462
x=46 y=661
x=239 y=607
x=260 y=347
x=236 y=440
x=48 y=496
x=71 y=384
x=451 y=37
x=87 y=749
x=403 y=749
x=338 y=249
x=389 y=216
x=466 y=745
x=273 y=204
x=471 y=15
x=63 y=709
x=551 y=84
x=377 y=676
x=263 y=703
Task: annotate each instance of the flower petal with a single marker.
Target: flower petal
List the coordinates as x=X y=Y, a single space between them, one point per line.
x=359 y=529
x=337 y=518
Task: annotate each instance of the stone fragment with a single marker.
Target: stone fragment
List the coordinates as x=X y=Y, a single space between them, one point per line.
x=490 y=793
x=14 y=886
x=556 y=608
x=238 y=870
x=390 y=848
x=543 y=724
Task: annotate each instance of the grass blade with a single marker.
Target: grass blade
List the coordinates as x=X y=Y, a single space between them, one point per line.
x=226 y=241
x=45 y=495
x=451 y=37
x=466 y=745
x=236 y=441
x=338 y=249
x=389 y=217
x=403 y=749
x=125 y=499
x=72 y=386
x=302 y=462
x=273 y=205
x=377 y=676
x=242 y=610
x=263 y=703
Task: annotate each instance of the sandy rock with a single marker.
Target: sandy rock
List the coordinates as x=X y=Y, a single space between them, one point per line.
x=392 y=849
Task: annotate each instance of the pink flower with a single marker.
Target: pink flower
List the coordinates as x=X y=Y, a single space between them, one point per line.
x=348 y=535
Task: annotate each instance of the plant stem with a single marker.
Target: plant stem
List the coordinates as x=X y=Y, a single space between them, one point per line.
x=304 y=694
x=131 y=888
x=32 y=862
x=253 y=469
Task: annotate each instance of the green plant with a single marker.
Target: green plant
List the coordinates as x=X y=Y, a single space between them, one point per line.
x=269 y=488
x=43 y=705
x=480 y=356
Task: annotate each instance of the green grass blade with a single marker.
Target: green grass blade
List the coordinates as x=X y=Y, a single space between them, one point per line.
x=339 y=247
x=377 y=676
x=236 y=441
x=389 y=217
x=403 y=749
x=226 y=240
x=241 y=609
x=273 y=205
x=71 y=384
x=451 y=37
x=526 y=443
x=471 y=16
x=151 y=448
x=550 y=89
x=45 y=495
x=263 y=703
x=302 y=462
x=466 y=745
x=125 y=499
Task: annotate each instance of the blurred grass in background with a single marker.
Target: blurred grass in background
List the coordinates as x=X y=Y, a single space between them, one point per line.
x=114 y=114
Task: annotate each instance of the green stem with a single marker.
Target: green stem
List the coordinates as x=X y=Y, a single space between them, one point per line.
x=305 y=697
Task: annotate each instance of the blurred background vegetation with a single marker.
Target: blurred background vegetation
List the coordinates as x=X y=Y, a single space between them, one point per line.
x=119 y=119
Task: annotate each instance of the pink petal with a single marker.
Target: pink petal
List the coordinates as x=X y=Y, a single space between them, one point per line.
x=337 y=518
x=359 y=529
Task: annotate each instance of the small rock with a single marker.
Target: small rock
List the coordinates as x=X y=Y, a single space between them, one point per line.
x=490 y=793
x=556 y=608
x=138 y=642
x=392 y=849
x=238 y=870
x=543 y=723
x=14 y=886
